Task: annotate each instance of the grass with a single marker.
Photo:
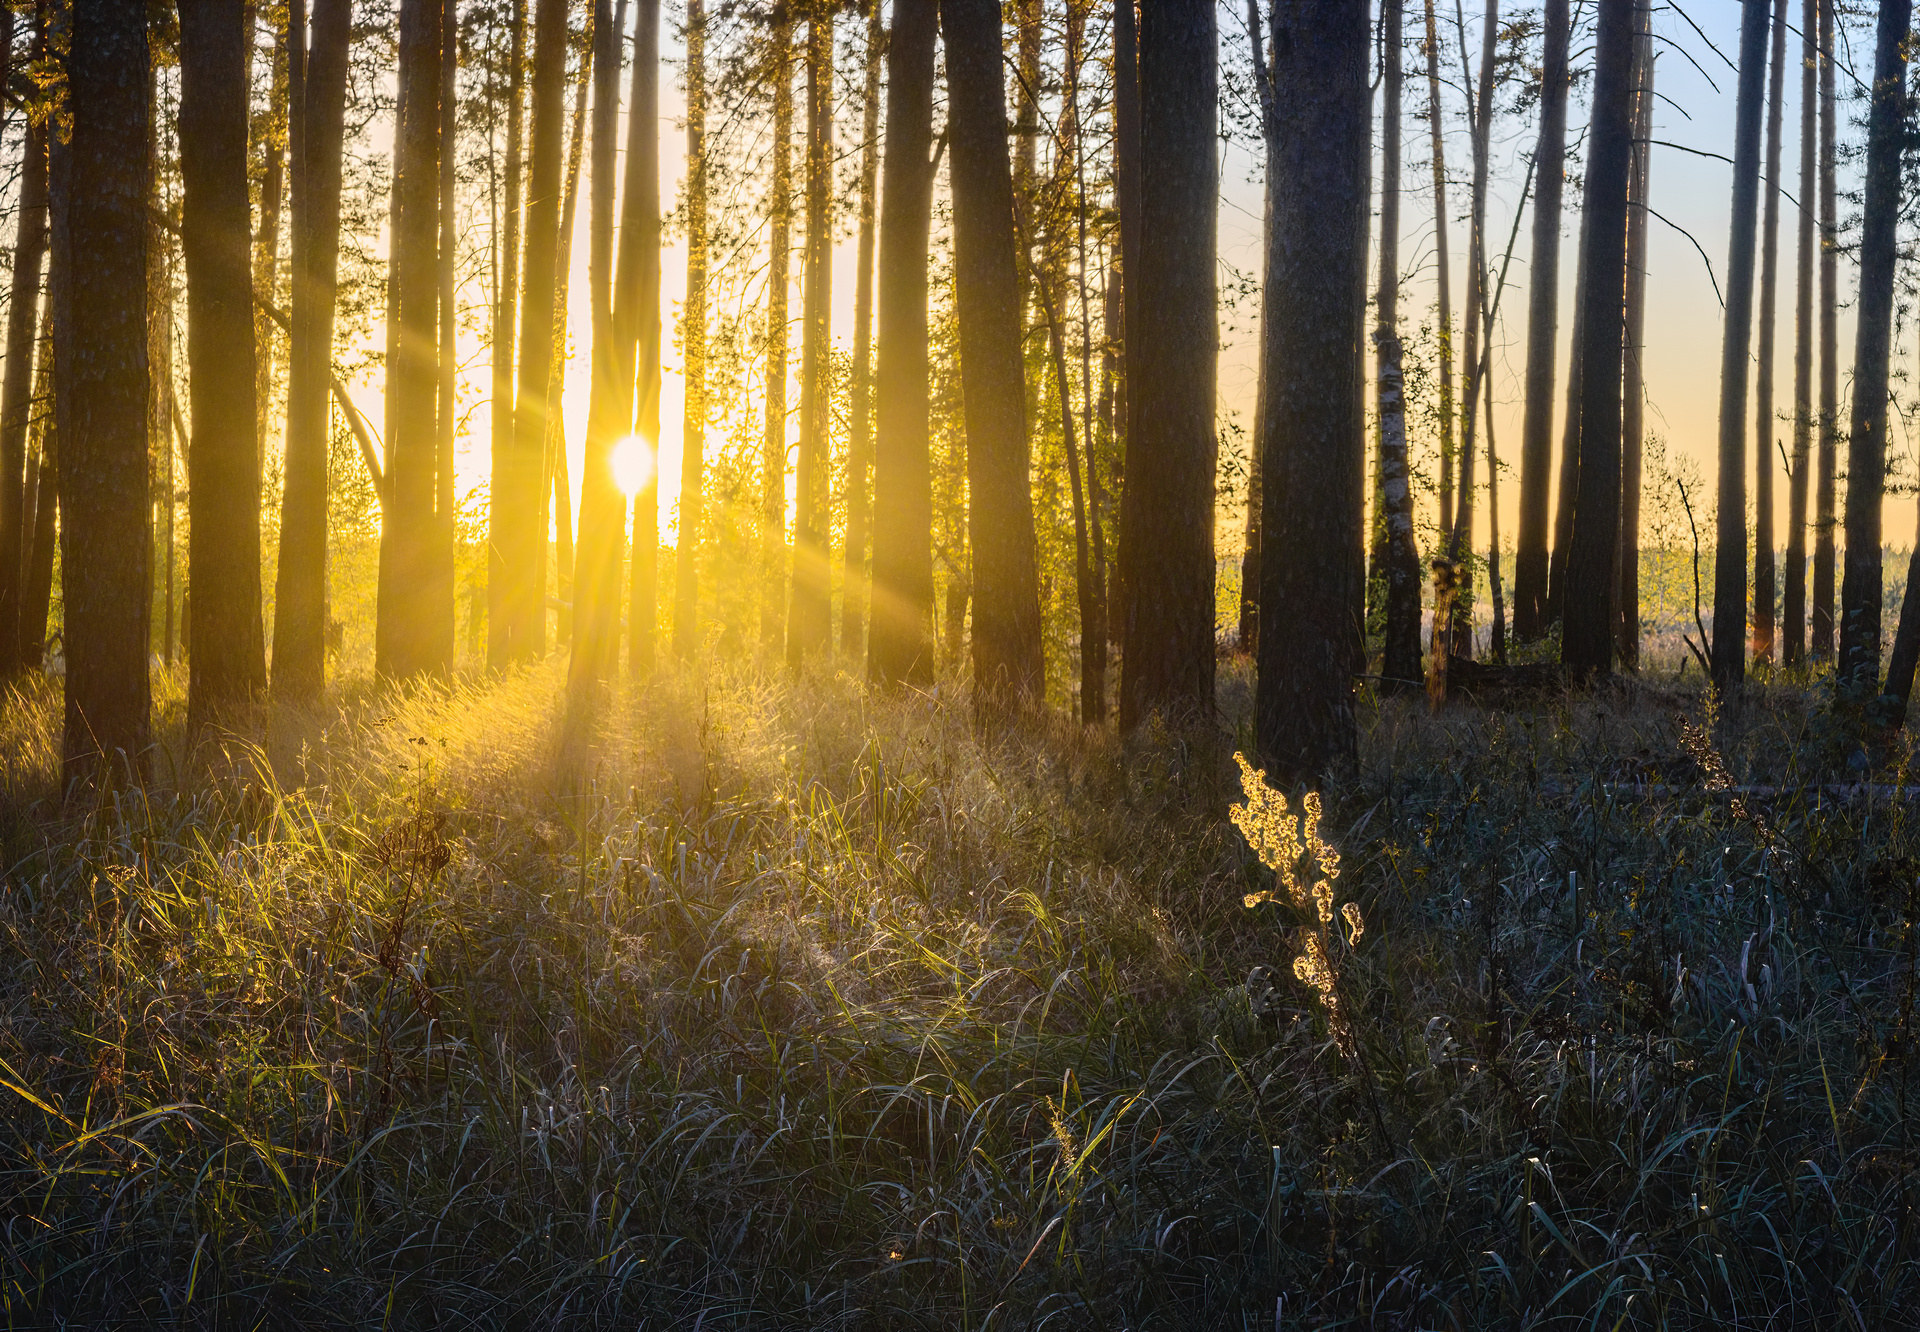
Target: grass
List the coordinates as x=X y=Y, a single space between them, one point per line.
x=811 y=1009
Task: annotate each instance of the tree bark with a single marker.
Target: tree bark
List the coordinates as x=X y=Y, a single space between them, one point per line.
x=554 y=461
x=274 y=134
x=693 y=335
x=1823 y=501
x=319 y=89
x=1569 y=443
x=1126 y=194
x=1007 y=665
x=506 y=298
x=1587 y=633
x=517 y=549
x=1442 y=264
x=1093 y=590
x=1166 y=547
x=900 y=642
x=773 y=461
x=810 y=616
x=1315 y=485
x=441 y=597
x=853 y=581
x=1460 y=540
x=637 y=324
x=1543 y=297
x=43 y=505
x=16 y=390
x=1730 y=523
x=1764 y=583
x=1633 y=376
x=1794 y=599
x=228 y=664
x=1860 y=590
x=101 y=191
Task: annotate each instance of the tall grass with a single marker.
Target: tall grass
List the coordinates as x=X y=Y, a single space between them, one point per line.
x=809 y=1008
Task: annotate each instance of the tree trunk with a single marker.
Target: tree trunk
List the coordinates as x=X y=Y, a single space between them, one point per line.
x=517 y=549
x=1314 y=492
x=1093 y=590
x=16 y=391
x=1633 y=377
x=900 y=642
x=1860 y=591
x=810 y=617
x=274 y=134
x=1126 y=194
x=1794 y=601
x=1249 y=628
x=1543 y=296
x=228 y=665
x=318 y=86
x=439 y=631
x=1007 y=664
x=1763 y=445
x=1730 y=523
x=101 y=191
x=553 y=450
x=1823 y=501
x=1166 y=548
x=43 y=504
x=1460 y=541
x=1587 y=633
x=693 y=336
x=773 y=460
x=1569 y=442
x=1442 y=264
x=853 y=581
x=506 y=297
x=637 y=324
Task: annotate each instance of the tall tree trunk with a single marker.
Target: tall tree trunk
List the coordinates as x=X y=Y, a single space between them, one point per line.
x=1794 y=600
x=502 y=337
x=1543 y=296
x=1587 y=633
x=1763 y=445
x=773 y=459
x=43 y=504
x=1007 y=665
x=637 y=323
x=1460 y=541
x=517 y=549
x=441 y=598
x=1824 y=509
x=1167 y=510
x=900 y=641
x=1633 y=377
x=553 y=450
x=1497 y=634
x=1314 y=493
x=810 y=617
x=273 y=135
x=1860 y=590
x=1396 y=556
x=853 y=581
x=1442 y=264
x=228 y=665
x=1093 y=590
x=405 y=629
x=693 y=338
x=1569 y=481
x=318 y=88
x=1249 y=629
x=1730 y=522
x=16 y=391
x=1126 y=193
x=100 y=193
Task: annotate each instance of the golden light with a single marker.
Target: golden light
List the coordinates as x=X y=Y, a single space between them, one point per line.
x=632 y=464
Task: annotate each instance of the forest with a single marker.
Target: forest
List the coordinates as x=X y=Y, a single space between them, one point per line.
x=873 y=664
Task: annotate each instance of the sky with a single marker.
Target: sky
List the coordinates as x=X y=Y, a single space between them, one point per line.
x=1691 y=193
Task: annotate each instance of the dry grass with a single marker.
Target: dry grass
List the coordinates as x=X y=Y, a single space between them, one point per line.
x=813 y=1010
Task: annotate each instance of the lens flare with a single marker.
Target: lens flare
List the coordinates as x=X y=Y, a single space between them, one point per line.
x=632 y=464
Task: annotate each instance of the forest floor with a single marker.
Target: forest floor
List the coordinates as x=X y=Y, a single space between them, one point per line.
x=812 y=1009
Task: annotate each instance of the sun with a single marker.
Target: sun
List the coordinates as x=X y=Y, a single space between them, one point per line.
x=632 y=464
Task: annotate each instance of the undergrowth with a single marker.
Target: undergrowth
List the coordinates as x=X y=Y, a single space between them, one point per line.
x=809 y=1008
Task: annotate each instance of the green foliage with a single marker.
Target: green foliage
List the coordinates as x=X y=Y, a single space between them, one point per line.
x=816 y=1010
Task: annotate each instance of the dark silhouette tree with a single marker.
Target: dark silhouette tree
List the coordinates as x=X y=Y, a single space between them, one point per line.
x=1794 y=598
x=317 y=86
x=773 y=457
x=228 y=664
x=16 y=388
x=1443 y=261
x=1315 y=487
x=853 y=580
x=502 y=336
x=1587 y=631
x=1007 y=666
x=900 y=641
x=1632 y=371
x=1166 y=516
x=1764 y=580
x=810 y=616
x=693 y=335
x=101 y=188
x=636 y=323
x=1824 y=507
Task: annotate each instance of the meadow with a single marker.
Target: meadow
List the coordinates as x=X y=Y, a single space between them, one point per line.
x=812 y=1007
